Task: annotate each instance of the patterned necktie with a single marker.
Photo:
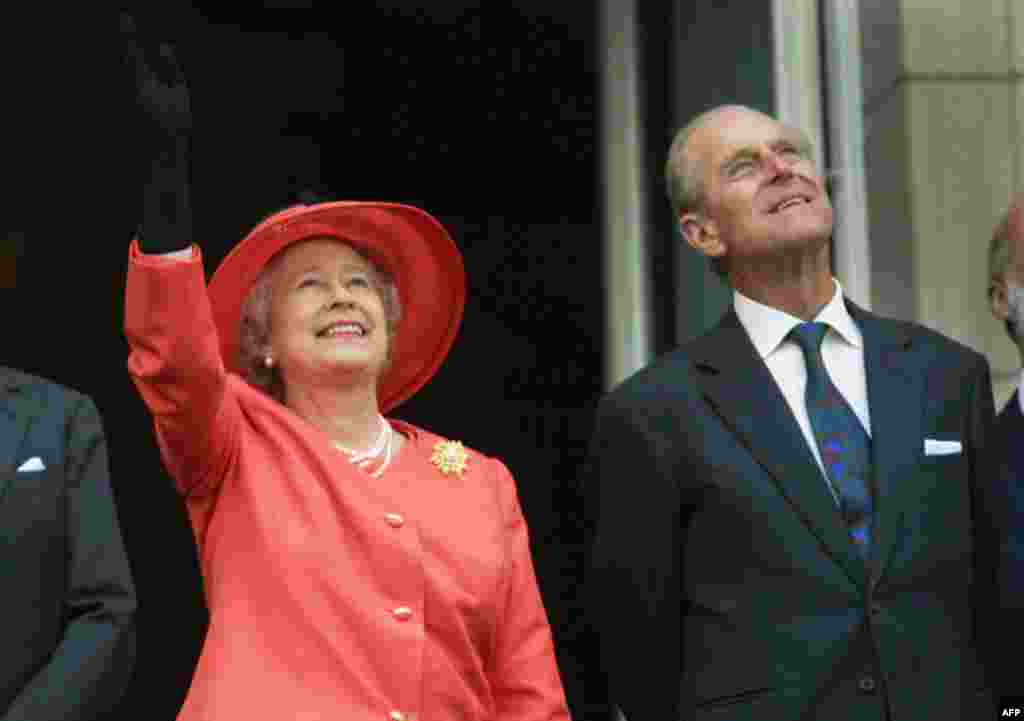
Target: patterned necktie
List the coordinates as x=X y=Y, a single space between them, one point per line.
x=844 y=444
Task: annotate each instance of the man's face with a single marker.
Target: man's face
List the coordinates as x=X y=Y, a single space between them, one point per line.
x=1015 y=305
x=762 y=195
x=1007 y=293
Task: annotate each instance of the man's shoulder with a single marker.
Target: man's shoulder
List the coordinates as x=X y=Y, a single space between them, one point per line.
x=674 y=372
x=38 y=390
x=668 y=383
x=929 y=340
x=672 y=367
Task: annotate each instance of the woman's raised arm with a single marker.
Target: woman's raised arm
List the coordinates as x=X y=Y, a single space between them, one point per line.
x=162 y=94
x=175 y=357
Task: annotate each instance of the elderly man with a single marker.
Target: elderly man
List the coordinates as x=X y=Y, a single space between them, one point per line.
x=67 y=603
x=793 y=517
x=1006 y=296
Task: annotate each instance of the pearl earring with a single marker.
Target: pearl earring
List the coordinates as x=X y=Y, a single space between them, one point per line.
x=268 y=361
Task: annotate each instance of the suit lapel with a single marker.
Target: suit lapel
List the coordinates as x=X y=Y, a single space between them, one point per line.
x=895 y=397
x=14 y=420
x=739 y=386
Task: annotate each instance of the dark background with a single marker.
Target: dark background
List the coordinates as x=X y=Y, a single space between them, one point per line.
x=481 y=113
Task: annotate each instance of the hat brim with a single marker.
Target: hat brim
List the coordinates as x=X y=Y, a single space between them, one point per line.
x=407 y=242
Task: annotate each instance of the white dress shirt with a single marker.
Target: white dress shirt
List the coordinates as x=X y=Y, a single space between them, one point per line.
x=842 y=350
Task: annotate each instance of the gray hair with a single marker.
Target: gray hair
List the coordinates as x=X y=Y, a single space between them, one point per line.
x=999 y=249
x=684 y=180
x=684 y=176
x=254 y=328
x=999 y=261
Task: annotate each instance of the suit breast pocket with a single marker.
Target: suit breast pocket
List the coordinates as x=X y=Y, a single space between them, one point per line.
x=943 y=474
x=938 y=506
x=32 y=508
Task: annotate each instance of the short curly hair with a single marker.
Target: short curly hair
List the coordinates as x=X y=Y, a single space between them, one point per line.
x=254 y=328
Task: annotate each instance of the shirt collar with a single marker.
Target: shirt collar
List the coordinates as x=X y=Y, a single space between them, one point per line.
x=768 y=327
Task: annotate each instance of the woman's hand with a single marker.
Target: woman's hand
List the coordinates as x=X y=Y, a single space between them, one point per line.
x=163 y=95
x=160 y=84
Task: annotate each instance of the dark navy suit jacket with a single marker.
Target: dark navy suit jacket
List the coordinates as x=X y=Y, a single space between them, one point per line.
x=724 y=584
x=1010 y=430
x=67 y=603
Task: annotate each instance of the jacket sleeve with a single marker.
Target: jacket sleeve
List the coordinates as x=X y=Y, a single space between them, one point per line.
x=1011 y=575
x=176 y=366
x=523 y=670
x=634 y=584
x=989 y=520
x=90 y=668
x=1011 y=431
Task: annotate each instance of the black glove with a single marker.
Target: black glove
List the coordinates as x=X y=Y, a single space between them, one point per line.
x=163 y=95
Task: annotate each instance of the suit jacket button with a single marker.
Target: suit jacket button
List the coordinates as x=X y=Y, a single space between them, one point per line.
x=876 y=609
x=866 y=684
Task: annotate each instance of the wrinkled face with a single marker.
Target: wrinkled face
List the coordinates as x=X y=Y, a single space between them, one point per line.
x=1006 y=291
x=1014 y=305
x=327 y=316
x=762 y=193
x=1015 y=246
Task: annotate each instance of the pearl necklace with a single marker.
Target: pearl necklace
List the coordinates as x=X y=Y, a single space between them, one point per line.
x=381 y=446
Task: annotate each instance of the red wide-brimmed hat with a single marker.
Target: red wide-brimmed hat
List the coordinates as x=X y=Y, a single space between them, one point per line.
x=407 y=242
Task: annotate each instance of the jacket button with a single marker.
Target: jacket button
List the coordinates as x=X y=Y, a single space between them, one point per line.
x=876 y=609
x=402 y=613
x=394 y=520
x=866 y=684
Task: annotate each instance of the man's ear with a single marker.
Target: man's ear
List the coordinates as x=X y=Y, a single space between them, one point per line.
x=701 y=234
x=999 y=301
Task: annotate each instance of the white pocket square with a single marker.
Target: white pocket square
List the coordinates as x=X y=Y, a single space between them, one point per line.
x=933 y=447
x=35 y=463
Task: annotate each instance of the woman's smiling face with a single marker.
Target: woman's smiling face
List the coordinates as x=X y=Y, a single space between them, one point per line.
x=327 y=316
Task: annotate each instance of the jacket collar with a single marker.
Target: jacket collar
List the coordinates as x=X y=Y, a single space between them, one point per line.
x=738 y=384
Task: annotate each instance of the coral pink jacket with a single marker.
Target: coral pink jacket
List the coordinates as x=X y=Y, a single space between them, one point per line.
x=334 y=595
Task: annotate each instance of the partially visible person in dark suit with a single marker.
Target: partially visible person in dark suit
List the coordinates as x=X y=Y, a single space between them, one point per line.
x=67 y=602
x=794 y=514
x=1006 y=296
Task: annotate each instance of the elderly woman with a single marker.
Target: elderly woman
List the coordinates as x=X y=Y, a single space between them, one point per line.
x=355 y=567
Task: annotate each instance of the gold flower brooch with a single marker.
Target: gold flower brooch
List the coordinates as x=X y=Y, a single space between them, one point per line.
x=450 y=457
